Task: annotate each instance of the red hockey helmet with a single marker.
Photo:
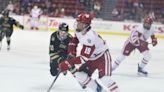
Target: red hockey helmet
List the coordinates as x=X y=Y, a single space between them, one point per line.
x=148 y=20
x=84 y=17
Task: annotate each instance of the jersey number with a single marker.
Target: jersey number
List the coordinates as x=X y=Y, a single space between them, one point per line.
x=87 y=50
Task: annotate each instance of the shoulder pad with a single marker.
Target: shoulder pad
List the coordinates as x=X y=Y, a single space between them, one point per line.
x=53 y=34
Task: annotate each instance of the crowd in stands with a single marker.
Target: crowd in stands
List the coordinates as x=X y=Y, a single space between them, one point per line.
x=124 y=9
x=136 y=9
x=56 y=8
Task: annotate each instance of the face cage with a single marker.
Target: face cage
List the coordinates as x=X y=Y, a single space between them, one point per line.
x=147 y=26
x=79 y=30
x=63 y=34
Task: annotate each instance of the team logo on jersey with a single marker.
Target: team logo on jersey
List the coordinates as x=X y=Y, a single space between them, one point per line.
x=89 y=40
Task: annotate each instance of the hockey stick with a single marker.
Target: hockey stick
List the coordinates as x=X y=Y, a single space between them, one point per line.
x=49 y=89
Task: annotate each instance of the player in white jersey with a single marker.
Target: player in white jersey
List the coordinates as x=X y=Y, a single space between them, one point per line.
x=138 y=40
x=94 y=55
x=35 y=15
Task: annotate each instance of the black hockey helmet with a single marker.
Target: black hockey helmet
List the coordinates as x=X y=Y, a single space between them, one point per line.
x=64 y=27
x=5 y=13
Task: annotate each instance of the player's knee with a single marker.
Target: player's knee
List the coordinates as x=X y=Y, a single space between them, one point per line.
x=147 y=55
x=106 y=80
x=120 y=58
x=82 y=77
x=109 y=83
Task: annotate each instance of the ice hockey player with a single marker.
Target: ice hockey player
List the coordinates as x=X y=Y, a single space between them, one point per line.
x=58 y=47
x=6 y=27
x=35 y=14
x=138 y=40
x=94 y=55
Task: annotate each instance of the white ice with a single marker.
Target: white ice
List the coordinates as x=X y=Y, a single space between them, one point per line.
x=25 y=68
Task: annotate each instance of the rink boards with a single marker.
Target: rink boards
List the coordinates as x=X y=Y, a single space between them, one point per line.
x=100 y=26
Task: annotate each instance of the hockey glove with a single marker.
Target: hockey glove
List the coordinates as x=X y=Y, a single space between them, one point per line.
x=21 y=26
x=154 y=42
x=67 y=57
x=65 y=65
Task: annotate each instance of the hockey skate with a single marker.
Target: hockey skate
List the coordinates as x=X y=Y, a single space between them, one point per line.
x=99 y=88
x=8 y=47
x=141 y=71
x=0 y=45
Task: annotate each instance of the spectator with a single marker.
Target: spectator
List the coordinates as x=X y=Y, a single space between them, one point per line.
x=115 y=14
x=35 y=16
x=97 y=7
x=162 y=15
x=128 y=10
x=138 y=11
x=10 y=7
x=17 y=8
x=24 y=4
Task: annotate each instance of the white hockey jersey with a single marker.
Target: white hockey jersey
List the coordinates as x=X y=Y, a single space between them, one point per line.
x=89 y=41
x=145 y=34
x=36 y=12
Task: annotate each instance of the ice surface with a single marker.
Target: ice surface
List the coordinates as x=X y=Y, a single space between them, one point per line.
x=25 y=68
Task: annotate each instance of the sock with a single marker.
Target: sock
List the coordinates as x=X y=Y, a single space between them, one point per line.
x=117 y=62
x=110 y=84
x=85 y=80
x=145 y=60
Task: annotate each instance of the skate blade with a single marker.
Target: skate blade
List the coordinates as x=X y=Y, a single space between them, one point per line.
x=142 y=75
x=8 y=49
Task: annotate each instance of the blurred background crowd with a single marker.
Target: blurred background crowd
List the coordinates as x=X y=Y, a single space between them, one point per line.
x=116 y=10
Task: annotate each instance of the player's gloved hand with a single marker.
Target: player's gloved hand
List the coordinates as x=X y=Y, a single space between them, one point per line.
x=62 y=58
x=154 y=42
x=65 y=65
x=72 y=68
x=21 y=26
